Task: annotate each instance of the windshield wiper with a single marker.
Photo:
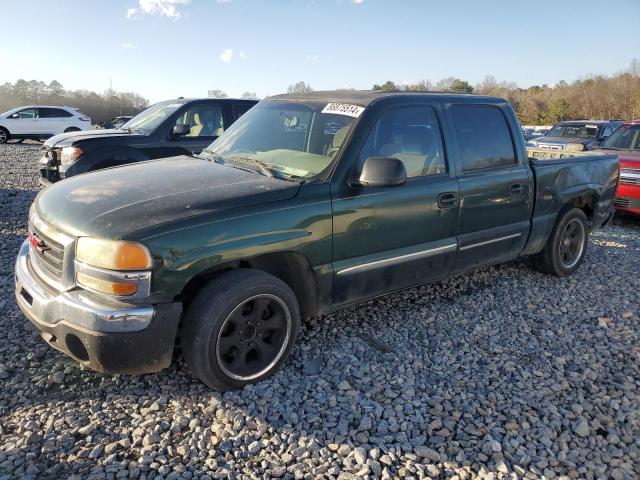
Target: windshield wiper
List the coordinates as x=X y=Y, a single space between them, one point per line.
x=263 y=167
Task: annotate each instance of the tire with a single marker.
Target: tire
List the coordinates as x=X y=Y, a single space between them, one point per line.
x=567 y=245
x=72 y=129
x=4 y=135
x=226 y=342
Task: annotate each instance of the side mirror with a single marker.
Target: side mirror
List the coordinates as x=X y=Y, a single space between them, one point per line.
x=15 y=115
x=381 y=172
x=181 y=129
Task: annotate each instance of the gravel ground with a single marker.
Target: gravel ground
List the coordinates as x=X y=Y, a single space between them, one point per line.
x=500 y=373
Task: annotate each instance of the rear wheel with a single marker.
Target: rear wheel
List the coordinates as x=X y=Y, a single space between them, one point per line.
x=240 y=329
x=567 y=245
x=4 y=135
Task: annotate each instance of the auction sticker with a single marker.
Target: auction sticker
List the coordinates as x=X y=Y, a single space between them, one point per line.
x=343 y=109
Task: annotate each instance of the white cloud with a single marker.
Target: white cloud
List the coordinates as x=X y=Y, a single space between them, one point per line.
x=357 y=1
x=227 y=55
x=243 y=55
x=313 y=58
x=224 y=1
x=127 y=45
x=167 y=8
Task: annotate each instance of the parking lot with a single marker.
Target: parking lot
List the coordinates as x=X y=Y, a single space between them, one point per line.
x=499 y=373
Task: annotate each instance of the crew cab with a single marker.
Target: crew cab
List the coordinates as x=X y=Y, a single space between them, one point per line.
x=41 y=121
x=625 y=142
x=308 y=203
x=576 y=135
x=173 y=127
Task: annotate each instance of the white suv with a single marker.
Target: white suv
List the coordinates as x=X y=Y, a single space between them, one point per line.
x=41 y=121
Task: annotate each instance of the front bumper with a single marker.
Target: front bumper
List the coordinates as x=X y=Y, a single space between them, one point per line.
x=48 y=171
x=107 y=336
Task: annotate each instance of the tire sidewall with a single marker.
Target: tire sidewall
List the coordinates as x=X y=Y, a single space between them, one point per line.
x=570 y=215
x=7 y=136
x=205 y=319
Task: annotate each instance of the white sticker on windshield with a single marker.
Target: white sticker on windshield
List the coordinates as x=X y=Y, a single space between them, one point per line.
x=343 y=109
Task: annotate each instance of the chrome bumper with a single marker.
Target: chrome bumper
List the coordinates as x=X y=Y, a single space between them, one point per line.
x=75 y=308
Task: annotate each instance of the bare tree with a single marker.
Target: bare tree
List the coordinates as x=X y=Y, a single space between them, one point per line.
x=250 y=95
x=300 y=87
x=216 y=94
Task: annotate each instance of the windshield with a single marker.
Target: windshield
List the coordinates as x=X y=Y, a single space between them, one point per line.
x=150 y=119
x=627 y=137
x=584 y=130
x=294 y=139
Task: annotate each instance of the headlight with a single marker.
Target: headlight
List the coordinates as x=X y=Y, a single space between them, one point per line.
x=574 y=147
x=113 y=254
x=114 y=267
x=69 y=155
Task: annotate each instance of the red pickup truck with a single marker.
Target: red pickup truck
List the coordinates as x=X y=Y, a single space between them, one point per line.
x=626 y=142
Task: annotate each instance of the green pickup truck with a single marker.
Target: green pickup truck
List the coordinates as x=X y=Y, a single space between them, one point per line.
x=309 y=202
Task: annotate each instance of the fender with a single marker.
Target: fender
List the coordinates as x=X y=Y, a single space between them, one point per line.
x=103 y=157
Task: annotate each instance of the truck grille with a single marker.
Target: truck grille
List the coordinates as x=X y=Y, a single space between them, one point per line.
x=621 y=202
x=50 y=252
x=630 y=176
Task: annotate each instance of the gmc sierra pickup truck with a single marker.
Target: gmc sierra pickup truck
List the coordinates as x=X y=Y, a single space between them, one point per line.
x=173 y=127
x=309 y=202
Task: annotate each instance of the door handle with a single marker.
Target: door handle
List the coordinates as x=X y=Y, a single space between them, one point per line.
x=447 y=200
x=516 y=189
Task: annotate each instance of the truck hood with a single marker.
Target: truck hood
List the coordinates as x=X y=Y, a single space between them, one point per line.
x=116 y=202
x=68 y=139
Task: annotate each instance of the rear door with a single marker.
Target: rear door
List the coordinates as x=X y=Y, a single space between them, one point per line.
x=388 y=238
x=495 y=180
x=53 y=120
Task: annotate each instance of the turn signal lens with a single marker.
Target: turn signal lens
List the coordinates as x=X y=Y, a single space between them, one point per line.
x=103 y=286
x=113 y=254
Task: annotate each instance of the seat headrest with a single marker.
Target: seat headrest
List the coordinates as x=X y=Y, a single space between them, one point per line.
x=339 y=136
x=196 y=119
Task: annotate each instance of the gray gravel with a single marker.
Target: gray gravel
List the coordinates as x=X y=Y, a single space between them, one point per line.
x=500 y=373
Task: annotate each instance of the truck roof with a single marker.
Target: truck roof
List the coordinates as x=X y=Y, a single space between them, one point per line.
x=366 y=97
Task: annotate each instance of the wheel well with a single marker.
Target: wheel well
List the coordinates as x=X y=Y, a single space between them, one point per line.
x=585 y=202
x=292 y=268
x=72 y=129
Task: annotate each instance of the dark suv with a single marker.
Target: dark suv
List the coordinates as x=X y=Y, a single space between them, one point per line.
x=173 y=127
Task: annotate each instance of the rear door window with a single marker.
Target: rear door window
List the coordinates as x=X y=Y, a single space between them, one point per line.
x=240 y=109
x=484 y=137
x=53 y=113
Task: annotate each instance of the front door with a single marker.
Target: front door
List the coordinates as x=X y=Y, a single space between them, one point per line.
x=24 y=122
x=388 y=238
x=205 y=123
x=496 y=200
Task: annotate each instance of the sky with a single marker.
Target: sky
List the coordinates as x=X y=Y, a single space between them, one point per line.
x=168 y=48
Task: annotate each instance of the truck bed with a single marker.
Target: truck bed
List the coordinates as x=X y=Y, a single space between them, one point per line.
x=592 y=179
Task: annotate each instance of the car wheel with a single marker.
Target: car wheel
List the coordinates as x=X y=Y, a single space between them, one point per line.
x=240 y=329
x=567 y=245
x=4 y=135
x=72 y=129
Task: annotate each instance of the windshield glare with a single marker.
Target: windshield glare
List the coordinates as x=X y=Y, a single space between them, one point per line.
x=574 y=131
x=295 y=139
x=150 y=119
x=627 y=137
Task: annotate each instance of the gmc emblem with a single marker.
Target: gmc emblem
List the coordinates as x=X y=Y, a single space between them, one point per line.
x=37 y=243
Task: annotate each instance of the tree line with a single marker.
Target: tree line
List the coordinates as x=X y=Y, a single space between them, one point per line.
x=100 y=107
x=593 y=97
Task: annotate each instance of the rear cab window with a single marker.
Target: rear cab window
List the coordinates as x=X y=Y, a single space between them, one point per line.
x=484 y=137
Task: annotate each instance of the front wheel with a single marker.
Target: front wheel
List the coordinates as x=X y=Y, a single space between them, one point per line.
x=567 y=245
x=240 y=329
